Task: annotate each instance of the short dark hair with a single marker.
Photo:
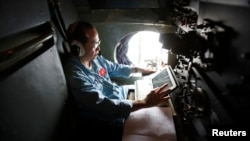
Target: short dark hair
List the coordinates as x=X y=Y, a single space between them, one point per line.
x=77 y=31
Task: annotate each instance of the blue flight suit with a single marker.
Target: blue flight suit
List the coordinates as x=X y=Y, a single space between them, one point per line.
x=94 y=92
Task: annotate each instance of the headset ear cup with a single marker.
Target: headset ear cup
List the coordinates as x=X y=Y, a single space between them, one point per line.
x=81 y=51
x=75 y=50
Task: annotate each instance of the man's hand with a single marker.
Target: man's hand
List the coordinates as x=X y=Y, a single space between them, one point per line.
x=157 y=96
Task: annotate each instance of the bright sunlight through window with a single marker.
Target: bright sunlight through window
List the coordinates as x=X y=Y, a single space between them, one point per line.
x=144 y=49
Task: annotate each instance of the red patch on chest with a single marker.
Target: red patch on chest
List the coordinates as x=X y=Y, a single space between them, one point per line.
x=102 y=72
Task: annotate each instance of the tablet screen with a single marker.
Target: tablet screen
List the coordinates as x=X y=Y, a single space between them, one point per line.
x=163 y=77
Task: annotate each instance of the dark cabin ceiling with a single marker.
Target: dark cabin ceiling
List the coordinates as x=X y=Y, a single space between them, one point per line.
x=130 y=4
x=120 y=4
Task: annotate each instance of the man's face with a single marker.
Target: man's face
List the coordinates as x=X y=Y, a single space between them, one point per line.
x=92 y=47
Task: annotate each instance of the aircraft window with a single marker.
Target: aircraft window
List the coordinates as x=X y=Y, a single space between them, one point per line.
x=142 y=49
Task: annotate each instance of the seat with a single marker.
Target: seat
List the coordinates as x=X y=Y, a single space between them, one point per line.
x=150 y=124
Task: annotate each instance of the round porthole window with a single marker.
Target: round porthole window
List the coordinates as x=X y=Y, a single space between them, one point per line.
x=143 y=49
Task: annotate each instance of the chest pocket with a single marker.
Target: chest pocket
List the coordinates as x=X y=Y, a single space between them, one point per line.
x=103 y=84
x=110 y=89
x=97 y=83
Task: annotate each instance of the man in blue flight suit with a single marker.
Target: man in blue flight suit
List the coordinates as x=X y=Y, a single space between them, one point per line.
x=103 y=106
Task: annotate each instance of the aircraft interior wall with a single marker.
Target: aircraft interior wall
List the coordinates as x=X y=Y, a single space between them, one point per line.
x=210 y=61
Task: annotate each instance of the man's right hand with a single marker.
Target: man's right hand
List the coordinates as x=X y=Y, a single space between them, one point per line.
x=157 y=96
